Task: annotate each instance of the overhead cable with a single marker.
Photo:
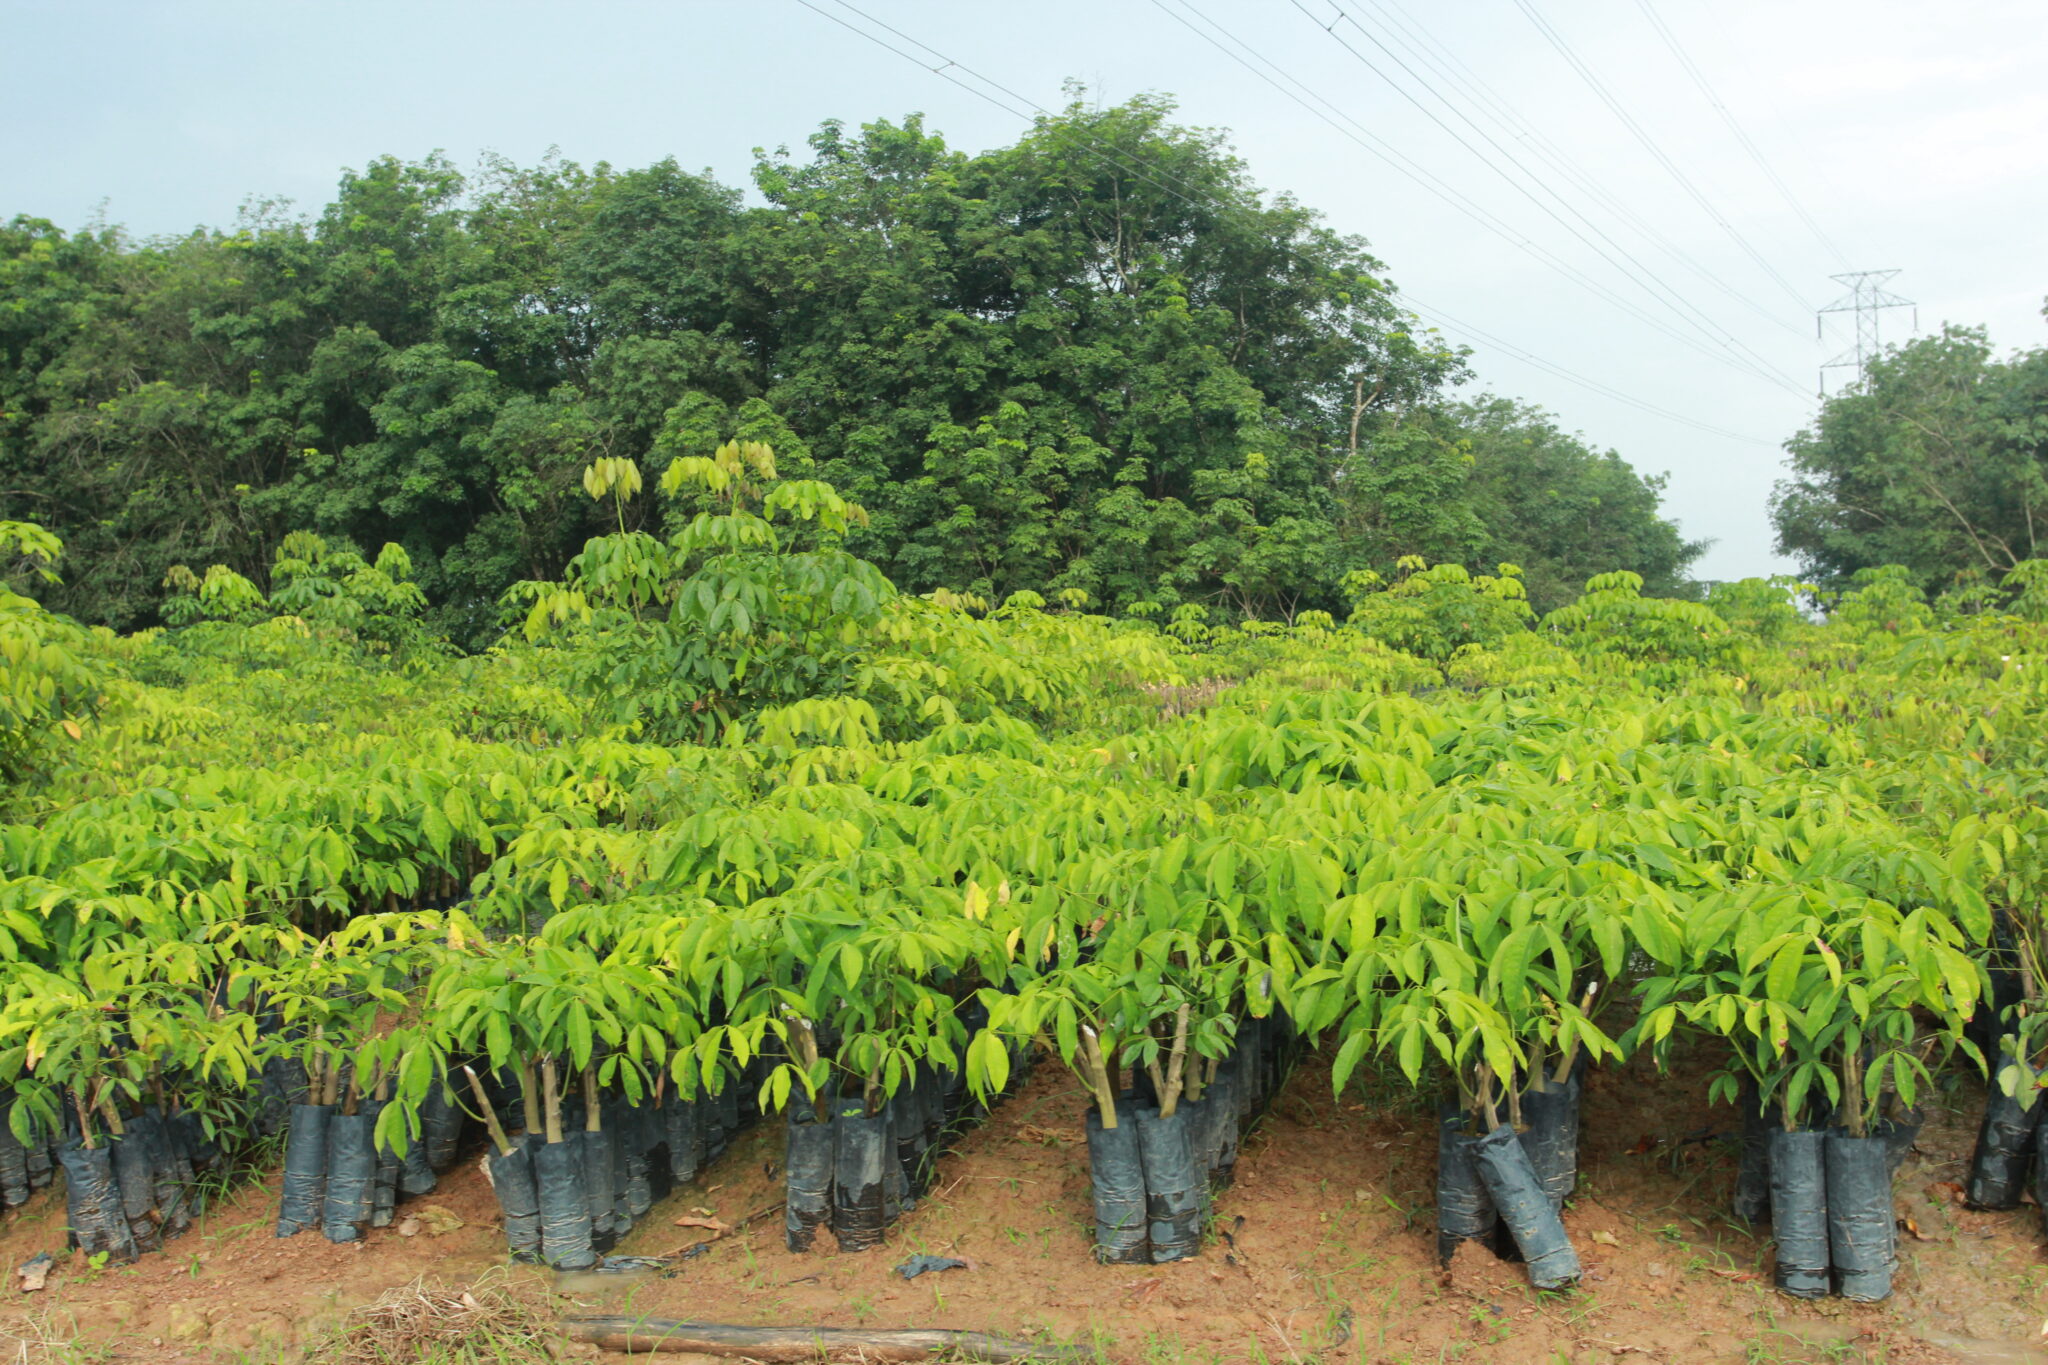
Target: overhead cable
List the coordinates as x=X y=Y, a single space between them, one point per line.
x=1763 y=164
x=946 y=66
x=1612 y=251
x=1641 y=135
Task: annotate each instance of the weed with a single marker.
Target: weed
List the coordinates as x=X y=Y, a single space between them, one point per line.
x=48 y=1339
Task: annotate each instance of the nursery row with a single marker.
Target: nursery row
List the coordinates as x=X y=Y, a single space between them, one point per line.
x=277 y=879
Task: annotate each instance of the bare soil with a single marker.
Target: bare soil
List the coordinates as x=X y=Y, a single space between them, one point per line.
x=1324 y=1248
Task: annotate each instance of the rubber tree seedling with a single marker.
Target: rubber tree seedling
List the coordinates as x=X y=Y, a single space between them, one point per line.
x=1821 y=992
x=883 y=981
x=48 y=688
x=739 y=608
x=1074 y=1005
x=106 y=1040
x=559 y=1008
x=1176 y=997
x=2005 y=850
x=1492 y=986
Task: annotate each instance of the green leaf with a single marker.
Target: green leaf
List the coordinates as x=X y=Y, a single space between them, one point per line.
x=1347 y=1060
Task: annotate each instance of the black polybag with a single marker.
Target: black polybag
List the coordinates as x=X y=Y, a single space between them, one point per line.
x=281 y=1086
x=600 y=1196
x=931 y=1089
x=860 y=1160
x=384 y=1186
x=351 y=1177
x=304 y=1196
x=927 y=1123
x=2008 y=989
x=1862 y=1238
x=1464 y=1210
x=189 y=1130
x=135 y=1176
x=440 y=1130
x=685 y=1123
x=635 y=1143
x=807 y=1172
x=1220 y=1099
x=1277 y=1054
x=906 y=1124
x=726 y=1107
x=954 y=1094
x=1524 y=1205
x=415 y=1172
x=2041 y=1171
x=1752 y=1201
x=92 y=1201
x=1198 y=1116
x=1551 y=1134
x=617 y=1127
x=1900 y=1132
x=14 y=1188
x=1116 y=1174
x=518 y=1197
x=1244 y=1080
x=710 y=1127
x=1174 y=1189
x=2005 y=1147
x=894 y=1186
x=565 y=1233
x=661 y=1178
x=172 y=1167
x=1251 y=1066
x=1799 y=1211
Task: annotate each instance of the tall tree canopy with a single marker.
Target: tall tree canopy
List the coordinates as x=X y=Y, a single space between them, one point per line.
x=1099 y=359
x=1937 y=461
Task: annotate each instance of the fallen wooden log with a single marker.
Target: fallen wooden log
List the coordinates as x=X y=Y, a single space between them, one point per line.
x=638 y=1335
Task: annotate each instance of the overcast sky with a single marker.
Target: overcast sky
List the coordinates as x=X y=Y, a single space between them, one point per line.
x=1914 y=135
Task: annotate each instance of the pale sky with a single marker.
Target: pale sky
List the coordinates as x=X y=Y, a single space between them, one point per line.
x=1915 y=135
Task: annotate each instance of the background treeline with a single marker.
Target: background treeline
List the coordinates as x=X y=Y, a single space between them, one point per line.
x=1937 y=461
x=1097 y=359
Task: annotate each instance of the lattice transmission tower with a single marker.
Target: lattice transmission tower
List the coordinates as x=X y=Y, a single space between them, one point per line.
x=1867 y=299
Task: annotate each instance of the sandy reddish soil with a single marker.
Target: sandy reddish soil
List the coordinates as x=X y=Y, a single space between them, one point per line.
x=1330 y=1255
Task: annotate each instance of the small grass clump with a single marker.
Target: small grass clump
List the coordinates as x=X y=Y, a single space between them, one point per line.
x=429 y=1324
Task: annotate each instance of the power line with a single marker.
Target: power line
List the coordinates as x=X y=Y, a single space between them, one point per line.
x=948 y=64
x=1649 y=143
x=1478 y=94
x=1363 y=136
x=1741 y=135
x=1443 y=319
x=1614 y=253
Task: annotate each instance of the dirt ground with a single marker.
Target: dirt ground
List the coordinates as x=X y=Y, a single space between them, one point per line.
x=1324 y=1249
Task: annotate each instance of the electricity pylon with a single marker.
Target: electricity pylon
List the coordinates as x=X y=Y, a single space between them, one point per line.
x=1867 y=299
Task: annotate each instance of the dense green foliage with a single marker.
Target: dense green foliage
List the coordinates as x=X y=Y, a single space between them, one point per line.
x=1096 y=360
x=1937 y=461
x=888 y=830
